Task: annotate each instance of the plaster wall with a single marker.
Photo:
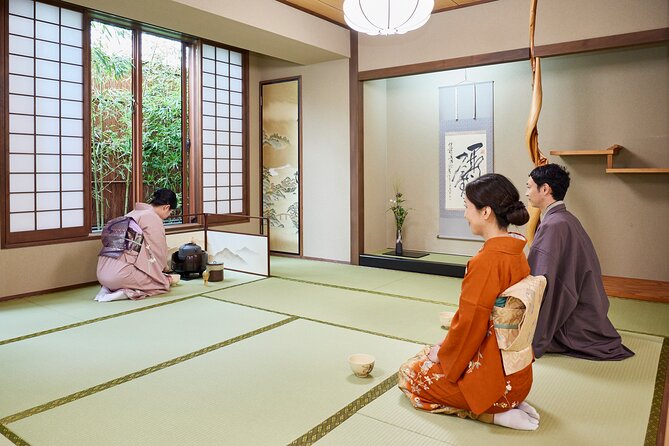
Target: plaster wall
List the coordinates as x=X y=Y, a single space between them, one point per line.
x=590 y=101
x=325 y=151
x=504 y=25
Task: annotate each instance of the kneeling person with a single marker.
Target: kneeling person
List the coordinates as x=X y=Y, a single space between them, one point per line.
x=573 y=318
x=464 y=375
x=138 y=271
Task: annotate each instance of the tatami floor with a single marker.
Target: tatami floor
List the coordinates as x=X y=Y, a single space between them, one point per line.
x=262 y=361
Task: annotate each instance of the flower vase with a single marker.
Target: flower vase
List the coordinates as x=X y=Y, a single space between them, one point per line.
x=398 y=243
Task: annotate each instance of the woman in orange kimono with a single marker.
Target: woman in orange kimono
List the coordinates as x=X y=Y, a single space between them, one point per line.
x=464 y=375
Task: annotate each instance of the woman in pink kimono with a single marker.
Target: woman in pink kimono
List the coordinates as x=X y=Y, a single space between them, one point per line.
x=132 y=262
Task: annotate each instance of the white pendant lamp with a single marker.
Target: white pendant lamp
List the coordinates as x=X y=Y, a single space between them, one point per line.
x=384 y=17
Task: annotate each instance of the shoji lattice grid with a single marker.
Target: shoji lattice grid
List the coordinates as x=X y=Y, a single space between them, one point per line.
x=46 y=150
x=222 y=161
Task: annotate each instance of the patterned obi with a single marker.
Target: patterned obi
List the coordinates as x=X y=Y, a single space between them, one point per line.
x=120 y=235
x=514 y=318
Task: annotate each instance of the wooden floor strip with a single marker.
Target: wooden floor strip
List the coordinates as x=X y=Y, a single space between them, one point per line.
x=641 y=289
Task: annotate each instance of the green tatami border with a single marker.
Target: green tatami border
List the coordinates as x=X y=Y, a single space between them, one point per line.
x=115 y=382
x=380 y=293
x=110 y=316
x=318 y=432
x=653 y=430
x=318 y=321
x=421 y=299
x=90 y=321
x=11 y=436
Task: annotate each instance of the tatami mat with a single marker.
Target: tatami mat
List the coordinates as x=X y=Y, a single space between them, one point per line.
x=626 y=314
x=423 y=286
x=640 y=316
x=5 y=442
x=185 y=370
x=391 y=316
x=426 y=286
x=360 y=430
x=359 y=277
x=580 y=403
x=267 y=389
x=21 y=317
x=29 y=315
x=40 y=369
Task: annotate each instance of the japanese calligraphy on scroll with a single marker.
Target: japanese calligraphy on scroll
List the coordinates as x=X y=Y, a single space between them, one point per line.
x=466 y=154
x=466 y=150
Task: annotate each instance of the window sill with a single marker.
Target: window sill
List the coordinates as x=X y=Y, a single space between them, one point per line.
x=218 y=220
x=172 y=229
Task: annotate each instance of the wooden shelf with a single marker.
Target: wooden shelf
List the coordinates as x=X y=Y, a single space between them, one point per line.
x=610 y=153
x=638 y=170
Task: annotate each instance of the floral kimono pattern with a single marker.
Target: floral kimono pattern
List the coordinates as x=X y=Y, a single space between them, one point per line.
x=469 y=379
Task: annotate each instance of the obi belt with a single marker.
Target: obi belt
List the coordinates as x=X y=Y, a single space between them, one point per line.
x=514 y=319
x=120 y=235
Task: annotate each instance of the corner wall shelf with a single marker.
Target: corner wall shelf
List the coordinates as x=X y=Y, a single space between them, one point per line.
x=610 y=153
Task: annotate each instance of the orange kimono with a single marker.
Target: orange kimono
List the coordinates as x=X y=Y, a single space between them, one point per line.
x=469 y=379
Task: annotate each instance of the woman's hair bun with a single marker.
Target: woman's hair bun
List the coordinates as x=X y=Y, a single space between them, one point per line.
x=517 y=214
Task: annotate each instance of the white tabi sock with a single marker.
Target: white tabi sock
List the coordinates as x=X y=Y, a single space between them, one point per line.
x=516 y=419
x=531 y=411
x=110 y=296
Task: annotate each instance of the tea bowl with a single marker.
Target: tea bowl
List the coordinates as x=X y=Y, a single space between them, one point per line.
x=361 y=364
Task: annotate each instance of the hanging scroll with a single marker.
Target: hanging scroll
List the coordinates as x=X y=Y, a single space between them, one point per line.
x=466 y=150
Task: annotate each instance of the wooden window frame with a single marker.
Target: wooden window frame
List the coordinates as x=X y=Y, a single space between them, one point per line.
x=36 y=236
x=191 y=131
x=237 y=217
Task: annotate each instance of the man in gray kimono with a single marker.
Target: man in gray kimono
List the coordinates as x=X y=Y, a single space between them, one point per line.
x=573 y=317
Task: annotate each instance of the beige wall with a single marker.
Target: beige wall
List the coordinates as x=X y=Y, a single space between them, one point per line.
x=325 y=150
x=590 y=102
x=504 y=25
x=28 y=270
x=378 y=188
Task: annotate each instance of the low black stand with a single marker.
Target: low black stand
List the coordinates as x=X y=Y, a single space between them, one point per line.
x=409 y=263
x=405 y=253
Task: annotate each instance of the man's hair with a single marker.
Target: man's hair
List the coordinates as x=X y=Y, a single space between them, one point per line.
x=555 y=176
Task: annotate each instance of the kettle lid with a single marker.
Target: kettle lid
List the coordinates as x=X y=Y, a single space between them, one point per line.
x=189 y=248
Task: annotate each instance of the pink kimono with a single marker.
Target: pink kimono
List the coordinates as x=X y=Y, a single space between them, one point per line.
x=142 y=274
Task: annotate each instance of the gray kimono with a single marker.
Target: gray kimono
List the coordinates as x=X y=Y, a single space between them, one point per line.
x=573 y=317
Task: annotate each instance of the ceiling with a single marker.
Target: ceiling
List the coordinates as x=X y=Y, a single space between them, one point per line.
x=332 y=10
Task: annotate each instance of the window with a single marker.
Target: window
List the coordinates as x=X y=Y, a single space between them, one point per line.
x=45 y=154
x=133 y=152
x=222 y=131
x=91 y=129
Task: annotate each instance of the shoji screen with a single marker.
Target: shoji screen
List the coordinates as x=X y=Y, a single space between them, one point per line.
x=46 y=121
x=222 y=135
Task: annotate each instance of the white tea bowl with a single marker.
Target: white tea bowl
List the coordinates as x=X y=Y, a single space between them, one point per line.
x=361 y=364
